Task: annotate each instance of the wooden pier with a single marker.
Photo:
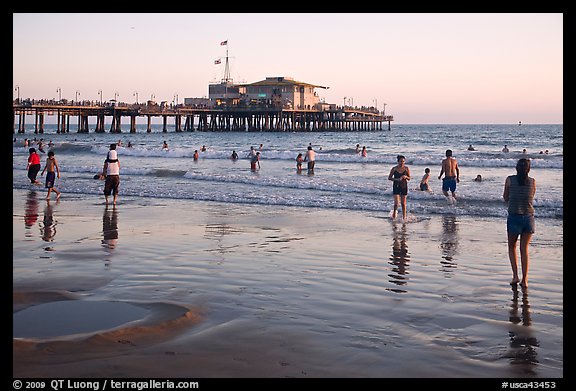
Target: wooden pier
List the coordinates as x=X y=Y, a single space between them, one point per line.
x=186 y=118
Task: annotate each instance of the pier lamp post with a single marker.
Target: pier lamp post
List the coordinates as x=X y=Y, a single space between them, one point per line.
x=344 y=101
x=176 y=99
x=376 y=103
x=59 y=91
x=100 y=93
x=384 y=110
x=77 y=93
x=136 y=95
x=18 y=93
x=116 y=95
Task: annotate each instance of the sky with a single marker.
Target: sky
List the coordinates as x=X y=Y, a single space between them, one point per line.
x=422 y=68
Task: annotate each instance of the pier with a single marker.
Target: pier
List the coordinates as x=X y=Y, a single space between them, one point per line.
x=191 y=118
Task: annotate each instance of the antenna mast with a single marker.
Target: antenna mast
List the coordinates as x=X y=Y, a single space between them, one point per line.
x=227 y=77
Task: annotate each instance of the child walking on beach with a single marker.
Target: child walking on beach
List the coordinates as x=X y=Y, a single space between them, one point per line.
x=53 y=170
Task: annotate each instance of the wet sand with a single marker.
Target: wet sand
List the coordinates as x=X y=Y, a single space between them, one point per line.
x=275 y=292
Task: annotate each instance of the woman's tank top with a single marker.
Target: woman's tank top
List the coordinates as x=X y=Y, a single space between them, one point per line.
x=521 y=197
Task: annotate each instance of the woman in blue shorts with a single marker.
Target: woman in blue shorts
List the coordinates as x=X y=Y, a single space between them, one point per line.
x=519 y=193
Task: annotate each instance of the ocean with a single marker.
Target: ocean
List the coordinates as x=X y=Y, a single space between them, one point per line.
x=275 y=273
x=342 y=179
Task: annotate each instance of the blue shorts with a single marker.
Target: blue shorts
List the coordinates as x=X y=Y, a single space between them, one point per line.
x=50 y=178
x=519 y=224
x=449 y=183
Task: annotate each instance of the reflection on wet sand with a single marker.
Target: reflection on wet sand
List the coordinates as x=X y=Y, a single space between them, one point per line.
x=48 y=229
x=110 y=227
x=523 y=345
x=449 y=244
x=30 y=212
x=400 y=258
x=218 y=232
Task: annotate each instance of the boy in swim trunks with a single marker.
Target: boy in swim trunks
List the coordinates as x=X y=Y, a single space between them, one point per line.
x=424 y=181
x=52 y=168
x=451 y=173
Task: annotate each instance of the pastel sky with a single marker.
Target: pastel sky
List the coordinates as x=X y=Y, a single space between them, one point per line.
x=452 y=68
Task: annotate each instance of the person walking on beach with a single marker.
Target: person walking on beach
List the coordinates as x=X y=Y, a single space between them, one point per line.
x=112 y=170
x=255 y=160
x=400 y=175
x=451 y=173
x=519 y=193
x=310 y=158
x=33 y=166
x=52 y=169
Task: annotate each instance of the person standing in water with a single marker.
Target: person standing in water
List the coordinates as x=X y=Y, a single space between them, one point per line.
x=255 y=160
x=299 y=160
x=33 y=166
x=424 y=181
x=400 y=175
x=519 y=193
x=53 y=170
x=310 y=158
x=451 y=173
x=112 y=170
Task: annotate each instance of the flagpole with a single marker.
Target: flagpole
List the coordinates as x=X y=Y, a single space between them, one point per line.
x=227 y=68
x=226 y=73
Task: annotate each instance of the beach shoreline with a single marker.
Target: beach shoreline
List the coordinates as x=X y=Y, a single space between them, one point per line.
x=270 y=291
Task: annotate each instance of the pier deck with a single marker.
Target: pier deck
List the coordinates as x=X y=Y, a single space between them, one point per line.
x=250 y=119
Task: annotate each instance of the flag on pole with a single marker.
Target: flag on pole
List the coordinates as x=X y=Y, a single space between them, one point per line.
x=216 y=61
x=224 y=42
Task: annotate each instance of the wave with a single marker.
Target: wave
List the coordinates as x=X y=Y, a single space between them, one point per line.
x=379 y=153
x=554 y=161
x=434 y=206
x=295 y=190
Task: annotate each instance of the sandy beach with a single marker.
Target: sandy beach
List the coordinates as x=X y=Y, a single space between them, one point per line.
x=221 y=290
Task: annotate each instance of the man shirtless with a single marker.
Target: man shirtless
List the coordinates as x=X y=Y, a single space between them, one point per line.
x=452 y=175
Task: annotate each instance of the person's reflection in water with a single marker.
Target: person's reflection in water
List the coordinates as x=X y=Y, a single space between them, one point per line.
x=110 y=227
x=30 y=212
x=48 y=229
x=449 y=243
x=523 y=345
x=400 y=258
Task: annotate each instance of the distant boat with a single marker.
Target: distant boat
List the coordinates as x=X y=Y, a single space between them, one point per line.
x=519 y=123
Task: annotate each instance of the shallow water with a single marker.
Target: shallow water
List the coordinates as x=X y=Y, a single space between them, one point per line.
x=69 y=317
x=342 y=179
